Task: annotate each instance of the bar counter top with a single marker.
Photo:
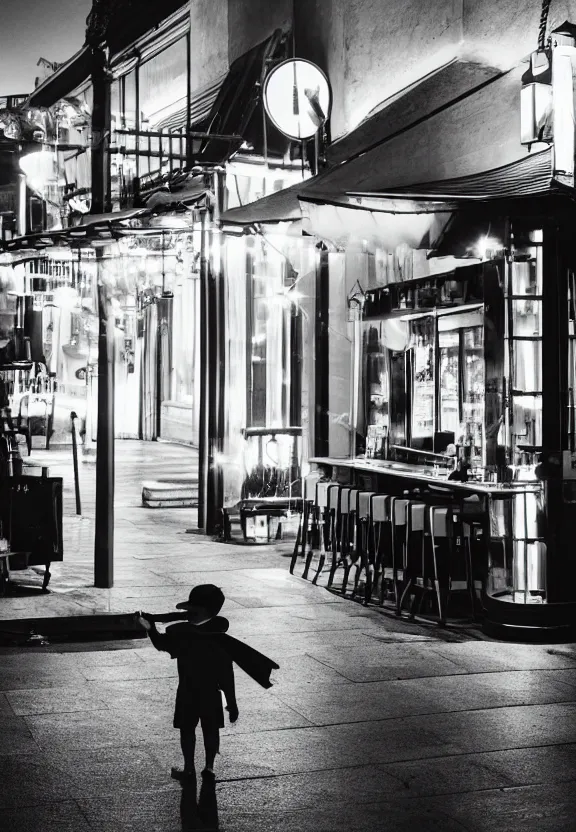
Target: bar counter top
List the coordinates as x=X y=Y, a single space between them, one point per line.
x=419 y=473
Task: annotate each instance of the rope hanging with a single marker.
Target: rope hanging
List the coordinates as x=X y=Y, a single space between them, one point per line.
x=543 y=24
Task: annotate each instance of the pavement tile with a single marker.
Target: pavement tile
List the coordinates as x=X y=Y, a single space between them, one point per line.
x=310 y=790
x=479 y=656
x=5 y=709
x=63 y=816
x=15 y=737
x=495 y=729
x=548 y=764
x=86 y=730
x=132 y=670
x=485 y=690
x=375 y=661
x=541 y=808
x=366 y=818
x=389 y=740
x=108 y=771
x=55 y=700
x=138 y=811
x=448 y=775
x=30 y=780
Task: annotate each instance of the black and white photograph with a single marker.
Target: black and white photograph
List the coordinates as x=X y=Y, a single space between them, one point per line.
x=288 y=415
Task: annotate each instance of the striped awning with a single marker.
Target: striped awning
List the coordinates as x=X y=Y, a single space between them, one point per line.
x=175 y=117
x=530 y=176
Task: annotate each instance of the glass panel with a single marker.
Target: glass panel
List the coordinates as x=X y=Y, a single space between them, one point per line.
x=129 y=114
x=527 y=420
x=527 y=366
x=517 y=561
x=398 y=398
x=423 y=380
x=449 y=364
x=115 y=107
x=377 y=378
x=527 y=317
x=163 y=85
x=527 y=276
x=474 y=384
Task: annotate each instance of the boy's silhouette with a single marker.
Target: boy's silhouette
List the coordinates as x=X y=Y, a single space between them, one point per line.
x=205 y=655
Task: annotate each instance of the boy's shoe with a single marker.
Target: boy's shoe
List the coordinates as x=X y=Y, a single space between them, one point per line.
x=183 y=775
x=208 y=776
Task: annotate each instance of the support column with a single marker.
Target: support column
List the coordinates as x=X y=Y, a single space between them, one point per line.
x=104 y=522
x=555 y=410
x=321 y=354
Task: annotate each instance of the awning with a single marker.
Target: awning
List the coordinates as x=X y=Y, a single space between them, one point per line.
x=528 y=177
x=419 y=101
x=61 y=83
x=236 y=101
x=201 y=103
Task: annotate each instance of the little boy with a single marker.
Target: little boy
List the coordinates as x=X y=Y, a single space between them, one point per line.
x=204 y=669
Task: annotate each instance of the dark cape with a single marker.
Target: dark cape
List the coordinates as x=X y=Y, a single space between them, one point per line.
x=251 y=661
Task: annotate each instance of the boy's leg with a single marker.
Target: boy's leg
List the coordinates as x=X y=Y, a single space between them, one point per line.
x=188 y=745
x=211 y=733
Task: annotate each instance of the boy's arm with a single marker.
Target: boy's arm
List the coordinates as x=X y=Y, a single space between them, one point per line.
x=227 y=686
x=161 y=641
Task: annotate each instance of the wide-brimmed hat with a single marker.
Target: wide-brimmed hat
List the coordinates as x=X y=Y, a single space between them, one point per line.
x=204 y=595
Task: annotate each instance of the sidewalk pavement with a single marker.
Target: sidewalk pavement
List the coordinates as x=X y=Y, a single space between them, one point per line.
x=372 y=724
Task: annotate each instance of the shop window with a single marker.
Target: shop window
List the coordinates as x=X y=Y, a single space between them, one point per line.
x=274 y=325
x=423 y=389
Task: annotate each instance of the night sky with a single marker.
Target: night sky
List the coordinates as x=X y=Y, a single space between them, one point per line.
x=32 y=29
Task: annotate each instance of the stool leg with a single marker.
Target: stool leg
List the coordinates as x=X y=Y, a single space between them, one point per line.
x=335 y=526
x=300 y=545
x=310 y=554
x=323 y=527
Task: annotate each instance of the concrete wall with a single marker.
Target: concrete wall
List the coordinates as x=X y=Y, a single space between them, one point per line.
x=252 y=21
x=373 y=49
x=208 y=41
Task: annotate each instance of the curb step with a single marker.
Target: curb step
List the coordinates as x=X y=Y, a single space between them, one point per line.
x=103 y=627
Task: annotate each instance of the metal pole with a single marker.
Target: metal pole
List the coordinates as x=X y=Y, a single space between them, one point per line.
x=104 y=537
x=104 y=522
x=73 y=417
x=203 y=444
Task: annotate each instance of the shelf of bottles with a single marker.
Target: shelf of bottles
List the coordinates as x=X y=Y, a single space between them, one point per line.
x=517 y=568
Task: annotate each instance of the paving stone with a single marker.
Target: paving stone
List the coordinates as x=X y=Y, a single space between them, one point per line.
x=15 y=737
x=448 y=775
x=108 y=771
x=137 y=811
x=479 y=656
x=55 y=700
x=63 y=816
x=366 y=818
x=31 y=780
x=541 y=808
x=375 y=661
x=548 y=764
x=92 y=729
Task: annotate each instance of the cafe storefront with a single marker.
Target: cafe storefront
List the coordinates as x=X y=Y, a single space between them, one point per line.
x=443 y=366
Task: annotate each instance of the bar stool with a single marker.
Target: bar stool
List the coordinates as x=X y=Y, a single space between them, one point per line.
x=421 y=564
x=348 y=534
x=336 y=498
x=308 y=498
x=381 y=543
x=319 y=529
x=365 y=558
x=399 y=518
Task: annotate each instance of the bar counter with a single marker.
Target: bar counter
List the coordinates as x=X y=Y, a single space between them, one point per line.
x=418 y=473
x=509 y=555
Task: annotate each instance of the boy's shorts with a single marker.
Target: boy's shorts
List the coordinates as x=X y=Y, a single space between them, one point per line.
x=194 y=705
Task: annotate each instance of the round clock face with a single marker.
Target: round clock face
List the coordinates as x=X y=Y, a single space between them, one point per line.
x=297 y=98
